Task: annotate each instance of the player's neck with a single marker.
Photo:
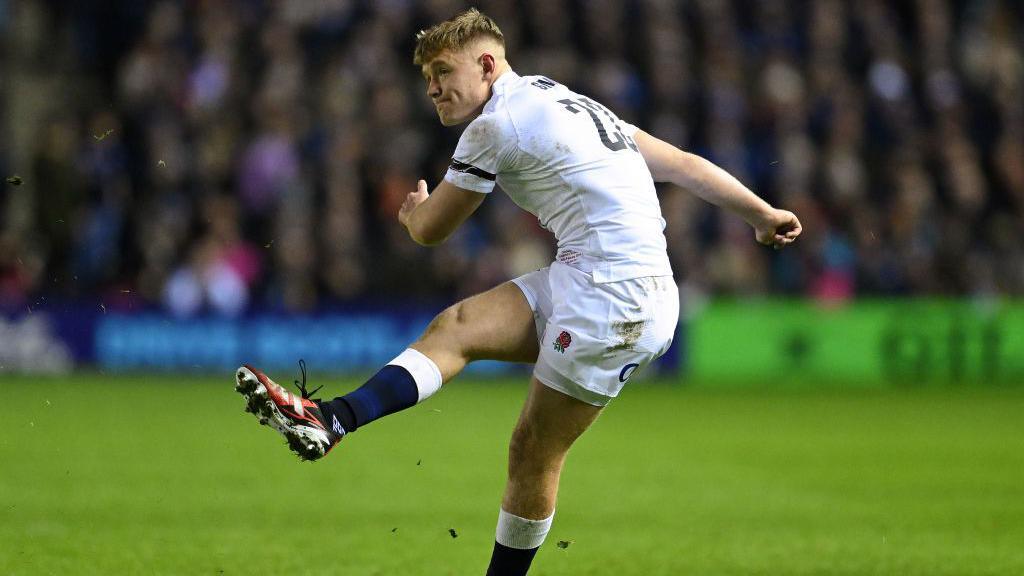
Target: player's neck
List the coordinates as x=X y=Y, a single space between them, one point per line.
x=501 y=69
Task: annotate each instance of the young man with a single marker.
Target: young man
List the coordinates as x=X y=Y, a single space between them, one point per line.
x=605 y=308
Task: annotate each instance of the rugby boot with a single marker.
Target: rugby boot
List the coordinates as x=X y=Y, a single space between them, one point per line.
x=297 y=417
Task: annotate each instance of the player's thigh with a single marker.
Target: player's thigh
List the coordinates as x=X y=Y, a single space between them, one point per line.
x=548 y=425
x=494 y=325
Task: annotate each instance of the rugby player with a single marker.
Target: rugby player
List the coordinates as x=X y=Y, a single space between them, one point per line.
x=605 y=308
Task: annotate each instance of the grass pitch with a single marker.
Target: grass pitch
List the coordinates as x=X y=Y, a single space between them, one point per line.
x=148 y=475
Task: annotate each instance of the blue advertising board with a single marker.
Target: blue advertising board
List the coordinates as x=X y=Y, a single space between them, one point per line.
x=61 y=338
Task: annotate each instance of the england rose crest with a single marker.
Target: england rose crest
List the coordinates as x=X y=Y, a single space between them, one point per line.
x=563 y=341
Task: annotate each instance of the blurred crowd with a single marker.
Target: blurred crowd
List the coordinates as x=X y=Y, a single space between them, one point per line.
x=220 y=155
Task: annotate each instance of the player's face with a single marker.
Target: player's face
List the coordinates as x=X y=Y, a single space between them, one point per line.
x=457 y=84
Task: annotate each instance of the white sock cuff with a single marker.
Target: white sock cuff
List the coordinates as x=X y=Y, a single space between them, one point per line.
x=424 y=372
x=520 y=533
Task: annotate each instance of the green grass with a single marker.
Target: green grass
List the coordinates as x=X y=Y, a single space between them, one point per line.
x=104 y=475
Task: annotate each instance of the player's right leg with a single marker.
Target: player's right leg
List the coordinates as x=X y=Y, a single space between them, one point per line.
x=309 y=433
x=495 y=325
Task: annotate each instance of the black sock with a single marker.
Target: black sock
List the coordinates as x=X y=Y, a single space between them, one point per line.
x=507 y=561
x=390 y=390
x=342 y=411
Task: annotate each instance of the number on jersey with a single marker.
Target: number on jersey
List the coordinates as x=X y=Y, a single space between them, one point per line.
x=620 y=141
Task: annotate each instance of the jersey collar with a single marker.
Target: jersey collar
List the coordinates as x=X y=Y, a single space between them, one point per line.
x=498 y=88
x=499 y=84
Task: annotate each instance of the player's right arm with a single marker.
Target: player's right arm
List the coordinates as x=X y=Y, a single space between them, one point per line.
x=431 y=218
x=667 y=163
x=485 y=148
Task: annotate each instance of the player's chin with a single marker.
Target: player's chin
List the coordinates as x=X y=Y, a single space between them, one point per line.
x=448 y=119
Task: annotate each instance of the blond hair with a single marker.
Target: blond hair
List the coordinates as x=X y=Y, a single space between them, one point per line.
x=455 y=34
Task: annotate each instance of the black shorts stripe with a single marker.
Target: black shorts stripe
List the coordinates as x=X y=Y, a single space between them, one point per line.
x=470 y=169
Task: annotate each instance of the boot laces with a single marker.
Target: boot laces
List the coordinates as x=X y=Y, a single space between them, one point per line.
x=302 y=385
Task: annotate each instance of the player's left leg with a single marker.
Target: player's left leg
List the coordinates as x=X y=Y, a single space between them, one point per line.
x=596 y=335
x=548 y=425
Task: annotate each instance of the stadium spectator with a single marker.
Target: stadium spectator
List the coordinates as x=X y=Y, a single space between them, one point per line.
x=895 y=130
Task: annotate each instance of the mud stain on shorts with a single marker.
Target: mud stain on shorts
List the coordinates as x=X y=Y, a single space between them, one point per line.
x=629 y=332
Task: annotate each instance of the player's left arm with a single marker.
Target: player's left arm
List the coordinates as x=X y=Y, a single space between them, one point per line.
x=431 y=218
x=772 y=226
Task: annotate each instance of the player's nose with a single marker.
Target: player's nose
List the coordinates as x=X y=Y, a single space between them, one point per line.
x=433 y=89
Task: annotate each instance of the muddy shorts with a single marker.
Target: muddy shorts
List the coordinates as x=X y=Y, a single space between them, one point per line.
x=595 y=336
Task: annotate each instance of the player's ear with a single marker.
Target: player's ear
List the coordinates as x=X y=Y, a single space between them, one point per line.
x=487 y=63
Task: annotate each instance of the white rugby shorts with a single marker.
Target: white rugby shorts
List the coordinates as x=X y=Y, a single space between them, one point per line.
x=594 y=336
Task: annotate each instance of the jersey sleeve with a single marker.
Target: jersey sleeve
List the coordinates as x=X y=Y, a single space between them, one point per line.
x=487 y=148
x=627 y=128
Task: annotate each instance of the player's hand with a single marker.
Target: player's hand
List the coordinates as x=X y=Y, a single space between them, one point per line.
x=778 y=228
x=413 y=200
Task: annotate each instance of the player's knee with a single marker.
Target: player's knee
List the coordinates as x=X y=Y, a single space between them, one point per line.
x=448 y=321
x=455 y=316
x=453 y=322
x=461 y=313
x=519 y=445
x=528 y=452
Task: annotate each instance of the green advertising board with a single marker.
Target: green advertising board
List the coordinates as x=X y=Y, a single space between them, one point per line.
x=864 y=343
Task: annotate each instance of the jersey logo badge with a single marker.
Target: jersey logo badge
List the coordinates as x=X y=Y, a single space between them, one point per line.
x=563 y=341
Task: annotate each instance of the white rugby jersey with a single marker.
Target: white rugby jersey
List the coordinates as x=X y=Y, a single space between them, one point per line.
x=573 y=164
